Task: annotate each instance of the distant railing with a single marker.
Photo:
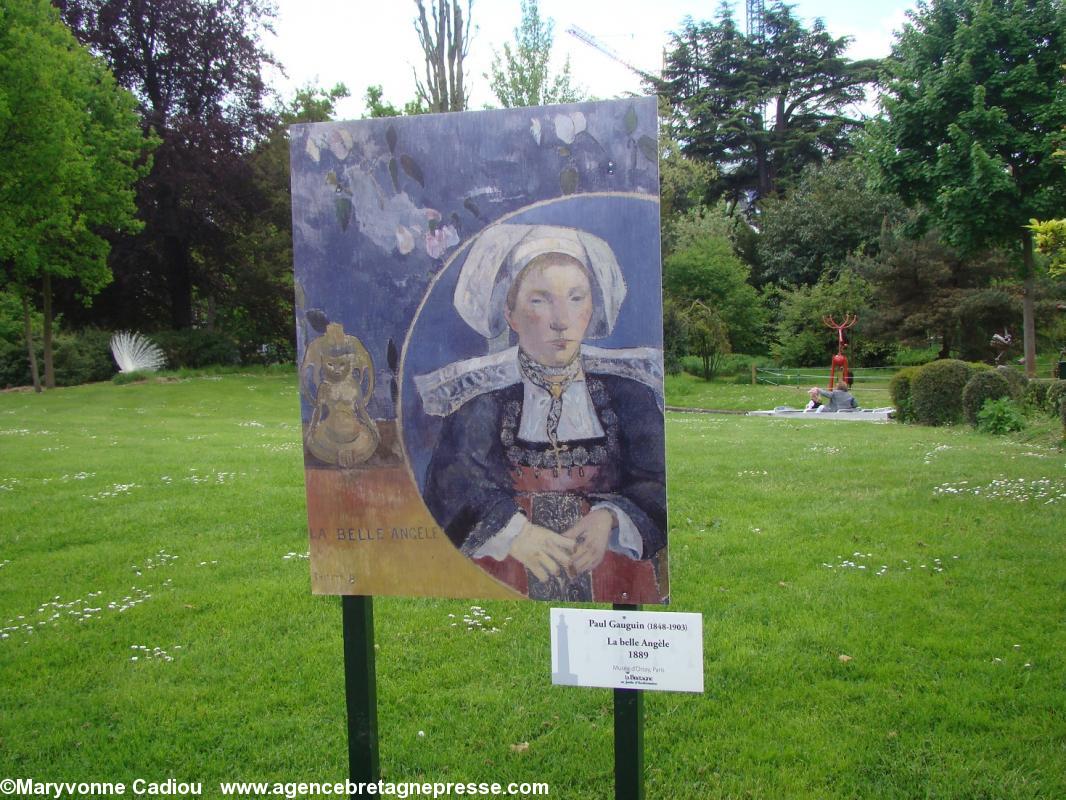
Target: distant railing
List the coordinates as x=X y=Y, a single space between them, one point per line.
x=814 y=376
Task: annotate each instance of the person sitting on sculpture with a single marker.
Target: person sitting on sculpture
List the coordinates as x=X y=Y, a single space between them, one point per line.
x=815 y=402
x=840 y=399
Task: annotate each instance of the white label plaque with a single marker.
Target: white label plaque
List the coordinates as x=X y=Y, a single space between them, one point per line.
x=659 y=650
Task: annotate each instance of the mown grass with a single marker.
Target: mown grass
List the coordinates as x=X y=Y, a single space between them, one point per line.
x=952 y=685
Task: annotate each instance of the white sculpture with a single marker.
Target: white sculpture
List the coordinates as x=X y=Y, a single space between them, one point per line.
x=136 y=353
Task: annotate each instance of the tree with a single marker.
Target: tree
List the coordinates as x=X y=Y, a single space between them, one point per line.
x=1050 y=238
x=698 y=224
x=925 y=290
x=195 y=68
x=708 y=272
x=377 y=107
x=70 y=144
x=522 y=76
x=801 y=338
x=255 y=293
x=676 y=343
x=975 y=104
x=760 y=107
x=683 y=182
x=832 y=213
x=708 y=337
x=444 y=44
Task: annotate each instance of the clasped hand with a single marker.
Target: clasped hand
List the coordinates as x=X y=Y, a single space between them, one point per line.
x=578 y=549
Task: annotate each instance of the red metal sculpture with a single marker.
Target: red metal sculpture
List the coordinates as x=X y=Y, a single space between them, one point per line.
x=840 y=359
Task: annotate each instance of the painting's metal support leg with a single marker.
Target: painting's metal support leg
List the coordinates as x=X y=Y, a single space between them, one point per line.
x=628 y=738
x=360 y=688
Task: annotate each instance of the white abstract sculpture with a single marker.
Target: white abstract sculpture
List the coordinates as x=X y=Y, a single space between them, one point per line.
x=136 y=353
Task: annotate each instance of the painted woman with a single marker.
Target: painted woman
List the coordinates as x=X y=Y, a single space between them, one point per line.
x=549 y=469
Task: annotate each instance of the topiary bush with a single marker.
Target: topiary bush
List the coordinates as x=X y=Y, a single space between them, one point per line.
x=983 y=386
x=936 y=392
x=1036 y=394
x=899 y=387
x=1055 y=392
x=999 y=416
x=1017 y=380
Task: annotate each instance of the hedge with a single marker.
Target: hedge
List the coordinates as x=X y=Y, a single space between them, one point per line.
x=983 y=386
x=936 y=391
x=899 y=387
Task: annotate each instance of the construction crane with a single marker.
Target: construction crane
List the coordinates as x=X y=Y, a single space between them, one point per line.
x=592 y=41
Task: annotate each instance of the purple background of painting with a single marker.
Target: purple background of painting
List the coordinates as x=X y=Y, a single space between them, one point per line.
x=489 y=159
x=439 y=336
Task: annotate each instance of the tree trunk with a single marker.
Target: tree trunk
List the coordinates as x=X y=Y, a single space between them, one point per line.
x=1028 y=303
x=29 y=344
x=49 y=366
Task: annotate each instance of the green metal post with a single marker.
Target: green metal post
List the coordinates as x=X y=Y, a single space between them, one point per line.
x=628 y=738
x=360 y=688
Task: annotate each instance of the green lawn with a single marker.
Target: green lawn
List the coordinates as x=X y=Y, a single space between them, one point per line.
x=883 y=611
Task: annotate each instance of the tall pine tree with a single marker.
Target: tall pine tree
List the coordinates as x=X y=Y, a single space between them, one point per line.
x=761 y=108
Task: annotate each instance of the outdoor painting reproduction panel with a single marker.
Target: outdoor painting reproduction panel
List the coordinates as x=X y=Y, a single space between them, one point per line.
x=479 y=323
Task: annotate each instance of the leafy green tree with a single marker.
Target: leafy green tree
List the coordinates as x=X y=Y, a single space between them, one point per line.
x=1050 y=238
x=801 y=339
x=377 y=107
x=760 y=108
x=708 y=272
x=196 y=70
x=975 y=104
x=676 y=344
x=832 y=213
x=522 y=76
x=684 y=182
x=70 y=145
x=683 y=230
x=708 y=337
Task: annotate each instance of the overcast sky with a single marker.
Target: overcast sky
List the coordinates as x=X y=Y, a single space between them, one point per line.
x=361 y=43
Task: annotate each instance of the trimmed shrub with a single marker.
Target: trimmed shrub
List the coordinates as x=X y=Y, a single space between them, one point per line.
x=983 y=386
x=1000 y=416
x=1055 y=392
x=900 y=390
x=1036 y=394
x=936 y=391
x=196 y=348
x=1017 y=380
